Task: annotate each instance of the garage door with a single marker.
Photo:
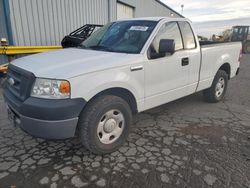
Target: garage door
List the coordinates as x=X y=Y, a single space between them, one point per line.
x=124 y=11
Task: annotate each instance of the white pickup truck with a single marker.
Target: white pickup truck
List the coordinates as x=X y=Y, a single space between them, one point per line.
x=125 y=67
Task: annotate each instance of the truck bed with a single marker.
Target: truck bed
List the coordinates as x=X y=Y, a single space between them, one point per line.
x=213 y=53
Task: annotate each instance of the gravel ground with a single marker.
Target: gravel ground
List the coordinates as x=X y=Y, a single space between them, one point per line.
x=186 y=143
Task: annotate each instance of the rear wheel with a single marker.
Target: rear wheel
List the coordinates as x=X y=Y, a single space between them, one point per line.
x=104 y=124
x=218 y=89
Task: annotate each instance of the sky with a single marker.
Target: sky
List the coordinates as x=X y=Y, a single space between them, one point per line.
x=213 y=16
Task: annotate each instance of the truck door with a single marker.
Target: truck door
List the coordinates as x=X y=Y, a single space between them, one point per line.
x=193 y=53
x=166 y=77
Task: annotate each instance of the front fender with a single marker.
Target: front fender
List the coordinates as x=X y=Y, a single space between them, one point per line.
x=89 y=85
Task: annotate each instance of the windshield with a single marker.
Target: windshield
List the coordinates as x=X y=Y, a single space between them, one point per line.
x=124 y=36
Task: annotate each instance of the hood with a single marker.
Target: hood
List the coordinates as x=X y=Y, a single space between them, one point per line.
x=71 y=62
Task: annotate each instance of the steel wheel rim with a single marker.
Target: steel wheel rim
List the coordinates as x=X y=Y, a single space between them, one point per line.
x=110 y=126
x=220 y=87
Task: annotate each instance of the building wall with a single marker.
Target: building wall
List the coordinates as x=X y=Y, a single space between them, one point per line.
x=3 y=28
x=145 y=8
x=46 y=22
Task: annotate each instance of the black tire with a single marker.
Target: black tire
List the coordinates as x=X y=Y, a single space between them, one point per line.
x=246 y=47
x=91 y=117
x=210 y=93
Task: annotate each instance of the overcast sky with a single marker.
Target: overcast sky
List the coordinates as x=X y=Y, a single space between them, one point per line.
x=213 y=16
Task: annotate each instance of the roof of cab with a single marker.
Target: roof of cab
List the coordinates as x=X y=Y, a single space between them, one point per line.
x=156 y=19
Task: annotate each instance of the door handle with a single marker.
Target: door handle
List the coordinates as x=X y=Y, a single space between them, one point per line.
x=185 y=61
x=136 y=68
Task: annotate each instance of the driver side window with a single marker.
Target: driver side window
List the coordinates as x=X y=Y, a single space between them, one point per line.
x=168 y=30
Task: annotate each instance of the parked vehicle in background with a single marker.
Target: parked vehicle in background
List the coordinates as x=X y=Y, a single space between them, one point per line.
x=236 y=34
x=201 y=38
x=123 y=68
x=242 y=34
x=78 y=36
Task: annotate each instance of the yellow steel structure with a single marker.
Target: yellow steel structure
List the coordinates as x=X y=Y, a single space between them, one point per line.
x=15 y=50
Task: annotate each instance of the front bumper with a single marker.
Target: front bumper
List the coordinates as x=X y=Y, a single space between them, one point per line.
x=46 y=118
x=60 y=129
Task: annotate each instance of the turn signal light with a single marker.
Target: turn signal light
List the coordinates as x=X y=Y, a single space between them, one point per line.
x=64 y=87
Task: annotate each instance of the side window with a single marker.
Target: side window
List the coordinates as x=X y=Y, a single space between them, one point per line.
x=168 y=30
x=188 y=36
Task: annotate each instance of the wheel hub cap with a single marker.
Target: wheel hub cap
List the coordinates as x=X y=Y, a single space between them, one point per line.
x=110 y=125
x=220 y=86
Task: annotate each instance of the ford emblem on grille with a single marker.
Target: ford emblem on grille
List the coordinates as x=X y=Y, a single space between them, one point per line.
x=11 y=81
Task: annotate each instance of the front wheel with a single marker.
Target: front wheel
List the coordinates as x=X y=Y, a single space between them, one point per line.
x=218 y=89
x=104 y=124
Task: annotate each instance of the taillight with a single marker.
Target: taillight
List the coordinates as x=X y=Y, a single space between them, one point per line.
x=241 y=54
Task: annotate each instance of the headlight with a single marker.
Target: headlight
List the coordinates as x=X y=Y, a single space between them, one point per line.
x=51 y=89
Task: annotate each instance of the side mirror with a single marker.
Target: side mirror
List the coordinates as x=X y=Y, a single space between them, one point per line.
x=166 y=46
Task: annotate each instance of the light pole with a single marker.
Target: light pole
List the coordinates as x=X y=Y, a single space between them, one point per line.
x=182 y=7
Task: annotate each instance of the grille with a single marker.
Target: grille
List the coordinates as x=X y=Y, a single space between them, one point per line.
x=19 y=82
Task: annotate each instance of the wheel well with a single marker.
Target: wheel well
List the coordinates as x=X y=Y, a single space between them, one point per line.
x=226 y=67
x=124 y=94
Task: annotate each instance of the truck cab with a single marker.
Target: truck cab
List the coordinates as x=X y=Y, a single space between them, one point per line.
x=242 y=34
